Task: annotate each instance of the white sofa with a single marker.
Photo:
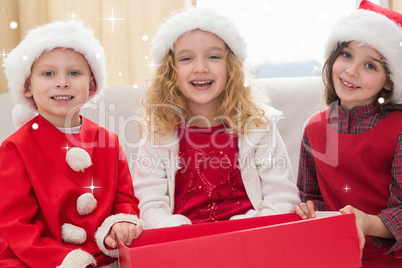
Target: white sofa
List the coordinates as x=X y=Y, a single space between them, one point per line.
x=117 y=110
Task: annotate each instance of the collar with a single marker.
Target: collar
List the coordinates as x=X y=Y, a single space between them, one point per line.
x=360 y=111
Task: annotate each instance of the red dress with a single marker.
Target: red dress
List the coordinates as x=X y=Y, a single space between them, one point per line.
x=355 y=169
x=208 y=185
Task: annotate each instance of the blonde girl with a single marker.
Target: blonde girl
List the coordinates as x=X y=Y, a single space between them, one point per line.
x=210 y=151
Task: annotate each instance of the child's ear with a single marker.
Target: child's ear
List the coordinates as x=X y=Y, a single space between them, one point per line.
x=27 y=89
x=92 y=87
x=387 y=86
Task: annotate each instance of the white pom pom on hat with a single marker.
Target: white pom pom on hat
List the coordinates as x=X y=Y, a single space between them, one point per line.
x=194 y=18
x=58 y=34
x=377 y=27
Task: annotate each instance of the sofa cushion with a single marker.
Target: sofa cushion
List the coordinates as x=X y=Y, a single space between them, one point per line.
x=298 y=98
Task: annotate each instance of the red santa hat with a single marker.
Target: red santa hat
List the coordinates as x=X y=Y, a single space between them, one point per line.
x=58 y=34
x=379 y=28
x=194 y=18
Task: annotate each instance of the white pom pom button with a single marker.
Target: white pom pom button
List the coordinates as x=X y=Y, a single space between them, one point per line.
x=86 y=204
x=73 y=234
x=78 y=159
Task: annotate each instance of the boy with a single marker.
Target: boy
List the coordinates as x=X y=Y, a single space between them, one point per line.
x=65 y=186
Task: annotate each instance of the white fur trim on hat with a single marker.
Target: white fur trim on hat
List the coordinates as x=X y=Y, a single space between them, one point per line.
x=58 y=34
x=78 y=159
x=106 y=226
x=73 y=234
x=23 y=113
x=377 y=31
x=77 y=258
x=194 y=18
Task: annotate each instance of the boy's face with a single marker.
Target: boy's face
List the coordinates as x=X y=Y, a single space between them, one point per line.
x=60 y=83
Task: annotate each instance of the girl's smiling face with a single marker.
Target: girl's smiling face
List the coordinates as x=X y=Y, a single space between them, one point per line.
x=200 y=60
x=359 y=75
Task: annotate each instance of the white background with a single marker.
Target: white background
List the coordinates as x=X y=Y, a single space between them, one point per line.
x=283 y=31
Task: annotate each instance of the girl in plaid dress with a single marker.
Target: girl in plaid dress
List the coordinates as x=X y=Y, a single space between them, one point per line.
x=350 y=157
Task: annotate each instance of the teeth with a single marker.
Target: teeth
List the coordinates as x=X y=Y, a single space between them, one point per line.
x=62 y=97
x=347 y=84
x=201 y=82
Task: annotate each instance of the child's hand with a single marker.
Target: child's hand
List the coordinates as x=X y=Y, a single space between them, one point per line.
x=304 y=210
x=362 y=224
x=126 y=232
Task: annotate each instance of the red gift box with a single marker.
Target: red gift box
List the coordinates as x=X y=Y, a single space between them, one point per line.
x=271 y=241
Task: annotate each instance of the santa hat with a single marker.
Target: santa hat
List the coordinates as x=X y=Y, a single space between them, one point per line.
x=194 y=18
x=379 y=28
x=58 y=34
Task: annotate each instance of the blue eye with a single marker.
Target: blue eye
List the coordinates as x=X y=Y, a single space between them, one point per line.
x=214 y=57
x=371 y=66
x=185 y=59
x=74 y=73
x=346 y=55
x=48 y=73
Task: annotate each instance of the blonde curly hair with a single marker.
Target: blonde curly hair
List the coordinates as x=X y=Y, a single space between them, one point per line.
x=166 y=107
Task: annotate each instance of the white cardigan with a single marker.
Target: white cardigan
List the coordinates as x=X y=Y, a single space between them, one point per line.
x=265 y=170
